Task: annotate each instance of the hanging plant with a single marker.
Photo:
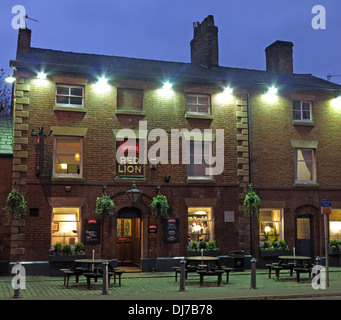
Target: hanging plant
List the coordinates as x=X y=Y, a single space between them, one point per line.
x=16 y=204
x=105 y=204
x=160 y=206
x=252 y=203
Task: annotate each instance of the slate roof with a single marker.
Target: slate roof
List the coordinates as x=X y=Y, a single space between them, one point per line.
x=6 y=135
x=95 y=65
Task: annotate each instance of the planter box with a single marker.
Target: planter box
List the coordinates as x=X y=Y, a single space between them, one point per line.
x=66 y=258
x=334 y=252
x=212 y=253
x=271 y=254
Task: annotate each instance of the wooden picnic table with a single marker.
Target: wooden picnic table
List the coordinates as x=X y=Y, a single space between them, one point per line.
x=203 y=259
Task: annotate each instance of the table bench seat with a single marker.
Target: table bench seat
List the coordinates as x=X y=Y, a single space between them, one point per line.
x=70 y=272
x=187 y=270
x=302 y=270
x=204 y=273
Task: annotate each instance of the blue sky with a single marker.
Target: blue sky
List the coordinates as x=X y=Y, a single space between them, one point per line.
x=163 y=29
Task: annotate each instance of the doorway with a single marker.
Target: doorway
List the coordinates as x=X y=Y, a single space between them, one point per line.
x=304 y=235
x=128 y=242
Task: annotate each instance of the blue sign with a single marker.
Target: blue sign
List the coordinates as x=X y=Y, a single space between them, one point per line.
x=326 y=203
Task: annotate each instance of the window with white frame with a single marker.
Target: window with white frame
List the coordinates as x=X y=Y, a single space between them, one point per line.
x=69 y=95
x=198 y=104
x=200 y=153
x=270 y=225
x=68 y=156
x=65 y=226
x=305 y=170
x=302 y=111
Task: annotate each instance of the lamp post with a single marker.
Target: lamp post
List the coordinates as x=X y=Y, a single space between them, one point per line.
x=134 y=194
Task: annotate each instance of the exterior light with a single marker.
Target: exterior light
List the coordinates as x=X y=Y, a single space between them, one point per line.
x=228 y=90
x=166 y=91
x=41 y=76
x=336 y=103
x=102 y=85
x=225 y=96
x=10 y=79
x=134 y=194
x=271 y=95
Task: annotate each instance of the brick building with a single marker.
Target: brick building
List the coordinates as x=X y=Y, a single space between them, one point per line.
x=69 y=112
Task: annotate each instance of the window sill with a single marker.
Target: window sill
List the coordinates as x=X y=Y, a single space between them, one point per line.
x=200 y=180
x=306 y=184
x=131 y=112
x=72 y=109
x=64 y=178
x=198 y=116
x=303 y=123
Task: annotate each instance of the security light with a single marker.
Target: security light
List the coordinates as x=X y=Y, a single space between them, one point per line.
x=41 y=76
x=10 y=79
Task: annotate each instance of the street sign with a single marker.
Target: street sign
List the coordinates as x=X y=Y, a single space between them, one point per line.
x=326 y=206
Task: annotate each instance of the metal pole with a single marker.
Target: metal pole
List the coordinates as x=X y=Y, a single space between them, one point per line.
x=17 y=278
x=105 y=277
x=326 y=247
x=182 y=274
x=253 y=273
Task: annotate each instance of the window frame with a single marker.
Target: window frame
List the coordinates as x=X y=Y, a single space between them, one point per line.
x=312 y=161
x=199 y=95
x=69 y=86
x=280 y=222
x=66 y=175
x=301 y=119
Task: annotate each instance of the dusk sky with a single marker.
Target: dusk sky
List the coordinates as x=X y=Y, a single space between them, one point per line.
x=163 y=29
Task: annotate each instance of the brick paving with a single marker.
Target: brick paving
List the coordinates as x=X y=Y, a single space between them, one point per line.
x=162 y=286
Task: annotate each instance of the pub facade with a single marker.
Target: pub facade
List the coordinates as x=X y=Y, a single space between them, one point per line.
x=88 y=125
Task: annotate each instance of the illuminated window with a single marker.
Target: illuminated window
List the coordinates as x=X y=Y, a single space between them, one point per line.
x=304 y=165
x=302 y=110
x=65 y=226
x=124 y=227
x=199 y=224
x=68 y=156
x=69 y=95
x=270 y=225
x=198 y=104
x=335 y=225
x=199 y=157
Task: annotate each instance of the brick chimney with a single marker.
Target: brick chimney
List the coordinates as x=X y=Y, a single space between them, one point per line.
x=204 y=45
x=24 y=40
x=279 y=57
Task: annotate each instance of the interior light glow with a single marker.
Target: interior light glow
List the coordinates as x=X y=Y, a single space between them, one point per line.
x=335 y=226
x=267 y=229
x=41 y=76
x=10 y=79
x=64 y=166
x=271 y=95
x=201 y=212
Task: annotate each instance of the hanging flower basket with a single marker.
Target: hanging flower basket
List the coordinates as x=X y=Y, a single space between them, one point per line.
x=105 y=204
x=160 y=206
x=252 y=203
x=16 y=204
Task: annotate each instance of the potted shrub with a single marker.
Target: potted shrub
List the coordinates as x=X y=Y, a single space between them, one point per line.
x=274 y=249
x=105 y=204
x=65 y=253
x=16 y=204
x=209 y=248
x=334 y=248
x=160 y=206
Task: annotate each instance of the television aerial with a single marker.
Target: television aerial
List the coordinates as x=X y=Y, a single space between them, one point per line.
x=27 y=17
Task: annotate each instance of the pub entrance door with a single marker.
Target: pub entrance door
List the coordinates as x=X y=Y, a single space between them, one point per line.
x=128 y=242
x=304 y=235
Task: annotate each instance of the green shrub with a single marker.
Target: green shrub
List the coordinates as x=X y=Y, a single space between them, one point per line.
x=58 y=248
x=202 y=245
x=334 y=244
x=79 y=248
x=67 y=249
x=194 y=245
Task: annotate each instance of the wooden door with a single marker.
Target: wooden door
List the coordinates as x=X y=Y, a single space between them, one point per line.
x=128 y=241
x=304 y=236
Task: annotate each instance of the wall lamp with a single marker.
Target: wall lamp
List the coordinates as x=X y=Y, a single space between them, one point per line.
x=271 y=95
x=336 y=103
x=102 y=85
x=10 y=79
x=41 y=76
x=166 y=90
x=226 y=95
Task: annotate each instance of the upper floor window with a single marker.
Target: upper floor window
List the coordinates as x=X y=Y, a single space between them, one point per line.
x=198 y=104
x=305 y=165
x=129 y=99
x=302 y=111
x=69 y=95
x=68 y=156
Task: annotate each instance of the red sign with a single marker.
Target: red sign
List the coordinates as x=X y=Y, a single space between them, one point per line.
x=129 y=147
x=92 y=221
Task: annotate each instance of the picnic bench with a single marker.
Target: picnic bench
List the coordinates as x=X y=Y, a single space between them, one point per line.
x=71 y=272
x=95 y=275
x=302 y=270
x=204 y=273
x=188 y=269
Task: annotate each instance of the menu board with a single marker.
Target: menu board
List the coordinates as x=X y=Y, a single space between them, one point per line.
x=171 y=230
x=91 y=231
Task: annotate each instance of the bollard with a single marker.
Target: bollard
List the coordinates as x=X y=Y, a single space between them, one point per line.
x=16 y=281
x=105 y=277
x=253 y=273
x=182 y=275
x=318 y=261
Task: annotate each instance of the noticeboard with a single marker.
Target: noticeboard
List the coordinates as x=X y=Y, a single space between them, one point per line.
x=91 y=231
x=171 y=230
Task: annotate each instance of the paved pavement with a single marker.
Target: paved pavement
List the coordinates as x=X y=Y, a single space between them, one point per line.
x=154 y=286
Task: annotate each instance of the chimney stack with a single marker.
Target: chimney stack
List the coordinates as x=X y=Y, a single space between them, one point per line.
x=204 y=45
x=279 y=57
x=24 y=40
